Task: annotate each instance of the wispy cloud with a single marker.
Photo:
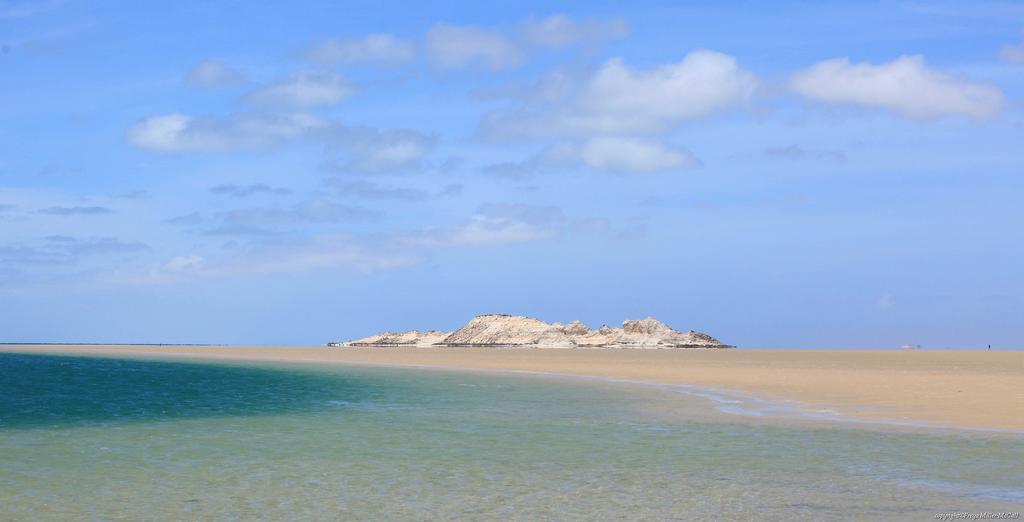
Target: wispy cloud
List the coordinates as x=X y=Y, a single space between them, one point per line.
x=367 y=150
x=495 y=224
x=314 y=211
x=254 y=189
x=1013 y=53
x=304 y=89
x=559 y=30
x=180 y=133
x=66 y=250
x=193 y=218
x=321 y=253
x=212 y=73
x=798 y=153
x=357 y=150
x=450 y=190
x=367 y=190
x=629 y=155
x=515 y=170
x=75 y=211
x=451 y=46
x=382 y=48
x=607 y=153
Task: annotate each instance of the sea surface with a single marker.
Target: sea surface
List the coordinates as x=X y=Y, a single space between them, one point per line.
x=90 y=438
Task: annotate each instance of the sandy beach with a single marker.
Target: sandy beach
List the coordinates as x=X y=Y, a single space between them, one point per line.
x=970 y=389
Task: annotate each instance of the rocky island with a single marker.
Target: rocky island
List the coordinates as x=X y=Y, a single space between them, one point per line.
x=500 y=330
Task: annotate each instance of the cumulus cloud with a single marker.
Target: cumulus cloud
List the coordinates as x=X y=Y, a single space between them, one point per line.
x=241 y=191
x=450 y=46
x=618 y=99
x=380 y=48
x=632 y=155
x=212 y=73
x=905 y=86
x=304 y=89
x=1013 y=53
x=180 y=133
x=561 y=31
x=367 y=150
x=495 y=224
x=75 y=211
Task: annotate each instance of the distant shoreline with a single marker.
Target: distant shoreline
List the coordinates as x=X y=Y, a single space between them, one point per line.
x=976 y=389
x=109 y=344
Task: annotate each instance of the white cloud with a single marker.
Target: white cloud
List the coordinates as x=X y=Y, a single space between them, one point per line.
x=183 y=263
x=904 y=85
x=632 y=155
x=1013 y=53
x=304 y=89
x=452 y=46
x=161 y=133
x=610 y=153
x=364 y=150
x=366 y=190
x=369 y=150
x=319 y=253
x=703 y=82
x=380 y=47
x=308 y=212
x=180 y=133
x=619 y=100
x=798 y=153
x=211 y=73
x=561 y=31
x=252 y=189
x=497 y=224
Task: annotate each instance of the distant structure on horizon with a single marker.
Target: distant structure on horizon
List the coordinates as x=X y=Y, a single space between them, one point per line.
x=502 y=330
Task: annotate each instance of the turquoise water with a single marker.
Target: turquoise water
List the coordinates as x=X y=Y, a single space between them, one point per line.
x=97 y=438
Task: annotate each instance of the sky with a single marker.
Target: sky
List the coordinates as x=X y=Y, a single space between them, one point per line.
x=784 y=174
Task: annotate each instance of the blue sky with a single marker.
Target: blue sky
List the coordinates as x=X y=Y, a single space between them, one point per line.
x=803 y=174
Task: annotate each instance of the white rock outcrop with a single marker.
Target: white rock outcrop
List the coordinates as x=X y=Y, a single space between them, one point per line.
x=413 y=338
x=499 y=330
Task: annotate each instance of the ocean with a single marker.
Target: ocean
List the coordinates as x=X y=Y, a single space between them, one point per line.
x=147 y=439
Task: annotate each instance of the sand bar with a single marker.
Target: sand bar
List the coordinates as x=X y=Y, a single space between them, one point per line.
x=971 y=389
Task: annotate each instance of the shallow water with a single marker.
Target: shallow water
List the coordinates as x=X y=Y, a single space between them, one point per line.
x=99 y=438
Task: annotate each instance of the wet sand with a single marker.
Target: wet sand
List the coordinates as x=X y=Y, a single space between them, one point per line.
x=970 y=389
